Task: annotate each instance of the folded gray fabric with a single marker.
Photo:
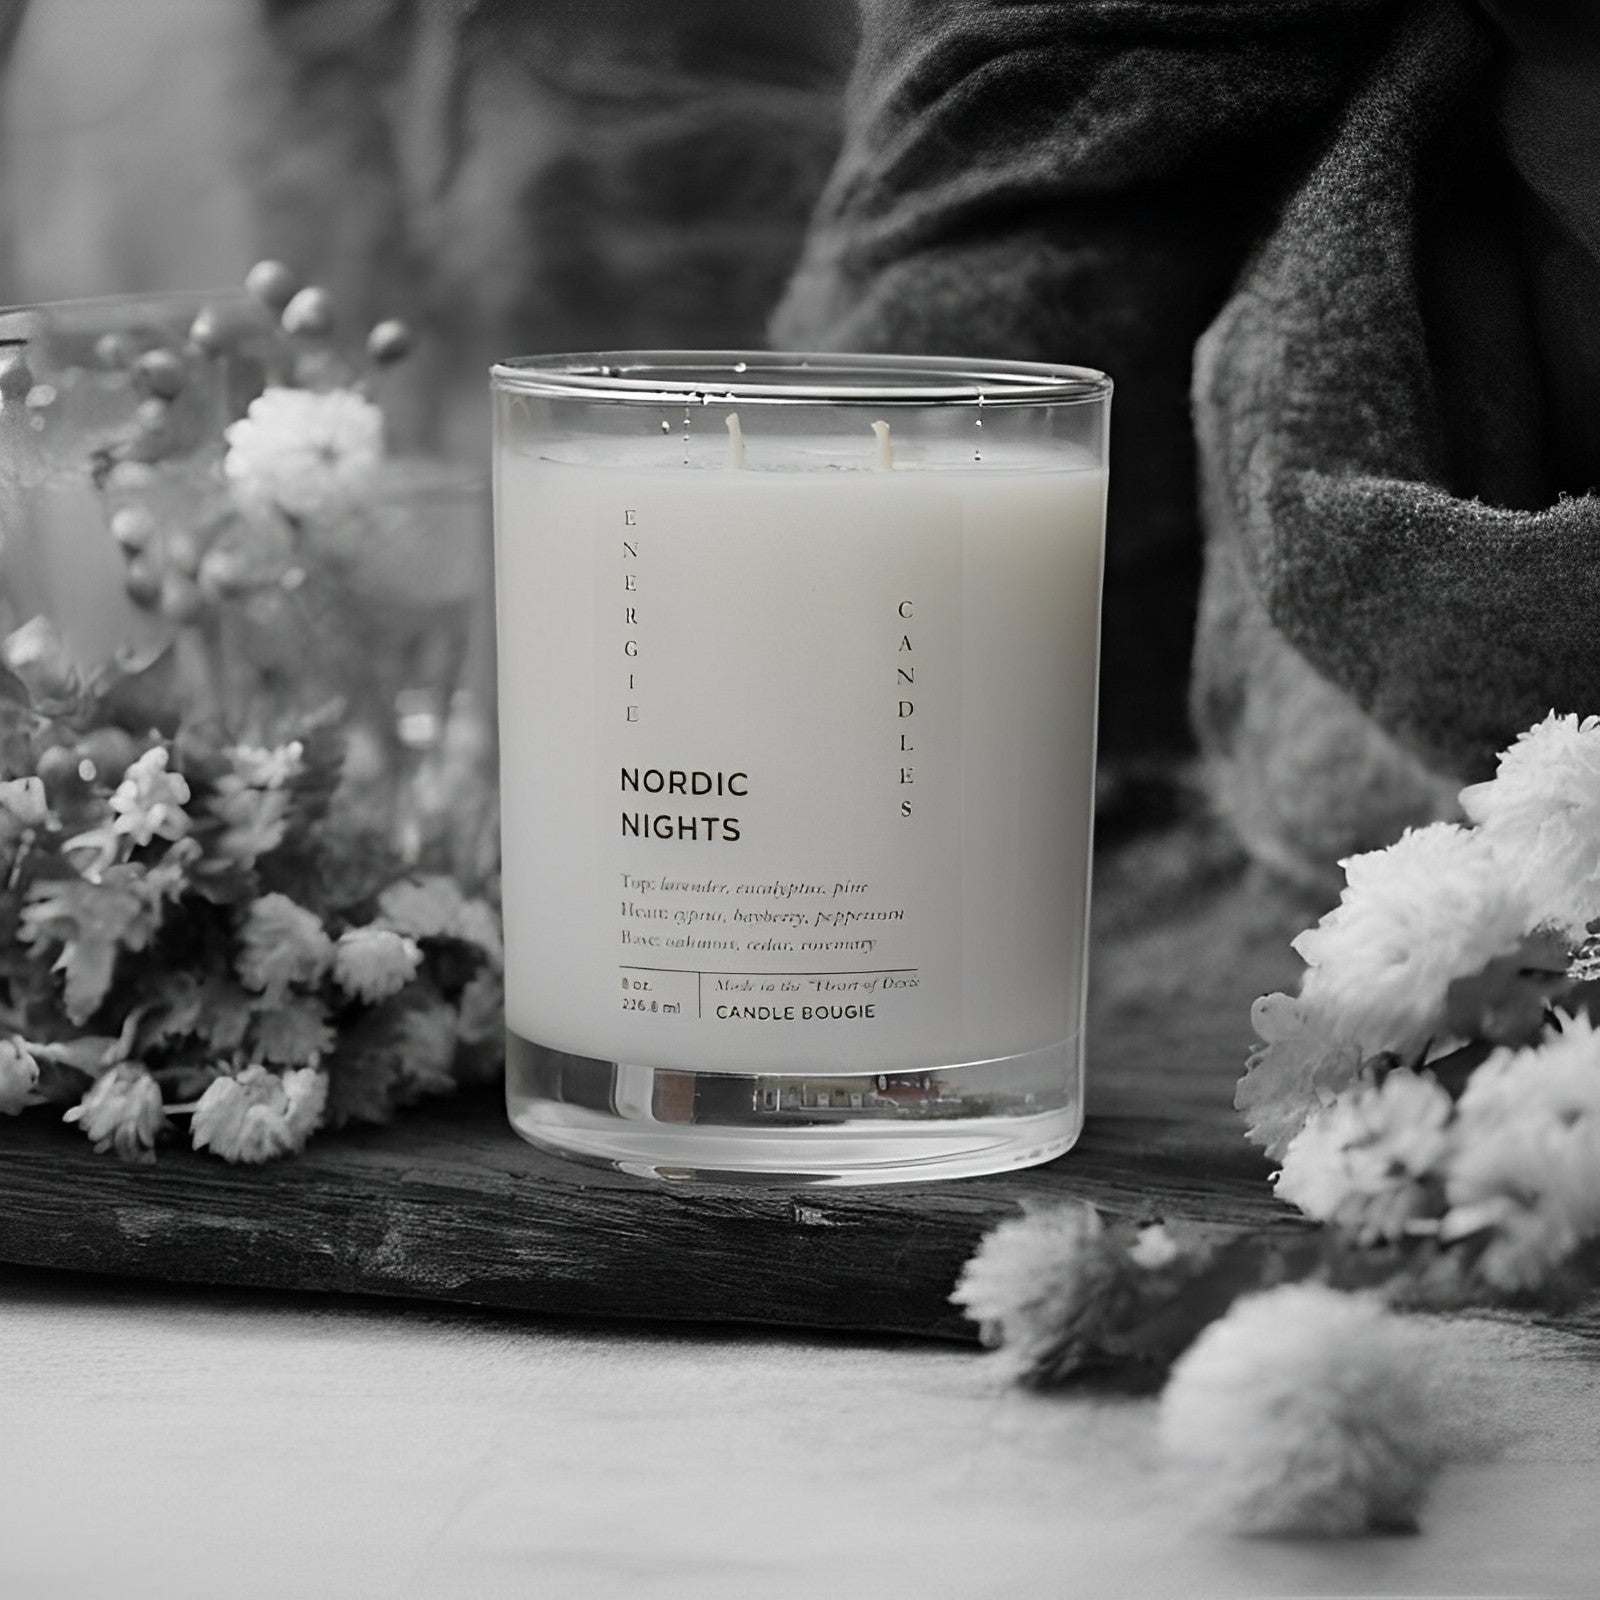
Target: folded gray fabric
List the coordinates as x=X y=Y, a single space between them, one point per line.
x=1392 y=587
x=1377 y=445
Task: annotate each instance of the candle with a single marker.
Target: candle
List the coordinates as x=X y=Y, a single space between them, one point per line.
x=798 y=715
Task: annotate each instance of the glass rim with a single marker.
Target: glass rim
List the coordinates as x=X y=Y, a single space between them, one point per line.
x=123 y=300
x=779 y=377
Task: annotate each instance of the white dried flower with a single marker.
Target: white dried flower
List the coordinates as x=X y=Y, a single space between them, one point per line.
x=267 y=768
x=1527 y=1162
x=1040 y=1284
x=260 y=1115
x=1155 y=1248
x=281 y=943
x=373 y=963
x=428 y=1041
x=481 y=1010
x=1437 y=905
x=19 y=1076
x=1370 y=1162
x=1305 y=1411
x=23 y=800
x=122 y=1111
x=254 y=820
x=1301 y=1064
x=294 y=1034
x=303 y=450
x=1542 y=808
x=433 y=907
x=150 y=800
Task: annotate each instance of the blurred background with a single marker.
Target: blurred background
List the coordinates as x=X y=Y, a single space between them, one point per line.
x=509 y=176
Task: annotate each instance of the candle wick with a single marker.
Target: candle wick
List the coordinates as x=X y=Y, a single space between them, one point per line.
x=885 y=445
x=735 y=440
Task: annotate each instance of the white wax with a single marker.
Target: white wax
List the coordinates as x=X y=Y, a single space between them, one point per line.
x=752 y=629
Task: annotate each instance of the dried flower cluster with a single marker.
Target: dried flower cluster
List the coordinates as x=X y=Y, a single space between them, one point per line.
x=303 y=452
x=232 y=888
x=1062 y=1290
x=1433 y=1095
x=1295 y=1409
x=175 y=954
x=1451 y=988
x=1306 y=1411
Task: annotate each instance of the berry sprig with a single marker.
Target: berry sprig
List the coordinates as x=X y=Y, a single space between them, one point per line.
x=183 y=570
x=307 y=321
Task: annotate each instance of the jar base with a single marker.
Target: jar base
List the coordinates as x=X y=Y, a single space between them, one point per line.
x=820 y=1128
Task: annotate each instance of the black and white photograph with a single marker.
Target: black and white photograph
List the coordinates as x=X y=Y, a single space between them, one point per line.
x=799 y=799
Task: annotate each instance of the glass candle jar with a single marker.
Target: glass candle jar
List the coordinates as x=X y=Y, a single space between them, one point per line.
x=798 y=661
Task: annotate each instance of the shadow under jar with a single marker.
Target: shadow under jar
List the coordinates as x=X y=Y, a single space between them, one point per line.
x=798 y=662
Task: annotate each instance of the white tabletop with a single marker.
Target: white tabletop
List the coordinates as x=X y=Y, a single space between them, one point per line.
x=178 y=1443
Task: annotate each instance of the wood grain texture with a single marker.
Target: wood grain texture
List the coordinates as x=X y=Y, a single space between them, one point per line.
x=448 y=1204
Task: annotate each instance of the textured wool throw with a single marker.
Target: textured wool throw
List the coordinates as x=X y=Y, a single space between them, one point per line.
x=1361 y=237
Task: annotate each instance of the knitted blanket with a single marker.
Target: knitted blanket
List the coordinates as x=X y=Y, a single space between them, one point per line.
x=1317 y=209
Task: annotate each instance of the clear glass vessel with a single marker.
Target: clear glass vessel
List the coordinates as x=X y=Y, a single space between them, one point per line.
x=381 y=608
x=798 y=669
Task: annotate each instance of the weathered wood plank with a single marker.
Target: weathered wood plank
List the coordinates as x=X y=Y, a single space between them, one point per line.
x=449 y=1205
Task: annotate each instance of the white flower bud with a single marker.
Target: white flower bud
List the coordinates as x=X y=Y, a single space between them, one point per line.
x=19 y=1076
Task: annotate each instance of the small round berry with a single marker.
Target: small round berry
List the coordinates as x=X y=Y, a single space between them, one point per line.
x=272 y=283
x=207 y=331
x=155 y=436
x=153 y=414
x=223 y=574
x=389 y=341
x=141 y=580
x=160 y=373
x=108 y=752
x=133 y=528
x=181 y=599
x=16 y=377
x=131 y=476
x=115 y=350
x=50 y=677
x=57 y=770
x=310 y=312
x=213 y=331
x=320 y=368
x=182 y=552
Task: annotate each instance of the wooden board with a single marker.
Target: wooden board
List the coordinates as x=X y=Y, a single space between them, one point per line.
x=448 y=1204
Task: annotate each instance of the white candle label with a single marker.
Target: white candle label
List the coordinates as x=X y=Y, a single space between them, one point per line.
x=806 y=758
x=779 y=748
